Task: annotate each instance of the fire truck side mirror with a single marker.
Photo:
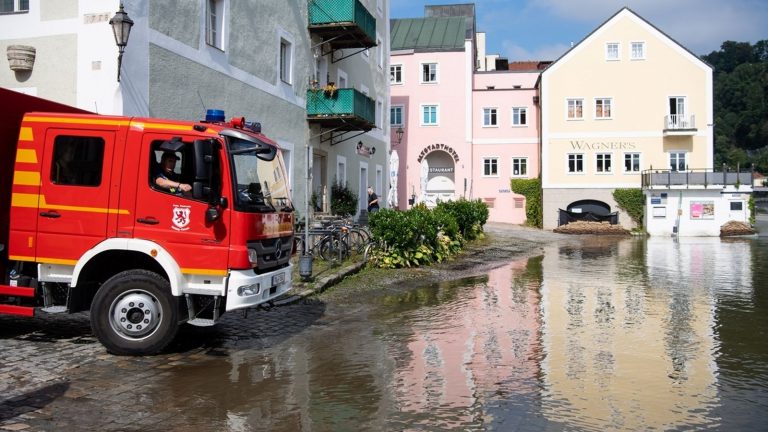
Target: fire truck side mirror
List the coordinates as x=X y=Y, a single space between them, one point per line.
x=212 y=214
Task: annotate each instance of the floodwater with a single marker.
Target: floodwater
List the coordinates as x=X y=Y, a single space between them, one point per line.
x=614 y=334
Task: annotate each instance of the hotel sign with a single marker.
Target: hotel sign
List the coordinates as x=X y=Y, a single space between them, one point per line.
x=434 y=147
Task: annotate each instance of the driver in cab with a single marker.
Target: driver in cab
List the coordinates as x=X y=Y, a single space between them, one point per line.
x=167 y=179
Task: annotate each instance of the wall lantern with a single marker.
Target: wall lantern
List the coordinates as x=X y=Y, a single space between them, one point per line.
x=121 y=26
x=399 y=134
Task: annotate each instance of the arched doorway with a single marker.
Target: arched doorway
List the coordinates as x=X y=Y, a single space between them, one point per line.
x=588 y=210
x=438 y=173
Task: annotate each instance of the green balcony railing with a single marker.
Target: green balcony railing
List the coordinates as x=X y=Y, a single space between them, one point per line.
x=327 y=13
x=345 y=107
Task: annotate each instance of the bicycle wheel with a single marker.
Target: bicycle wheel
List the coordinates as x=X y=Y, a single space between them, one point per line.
x=357 y=240
x=334 y=248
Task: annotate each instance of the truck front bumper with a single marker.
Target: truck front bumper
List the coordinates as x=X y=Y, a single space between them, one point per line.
x=246 y=289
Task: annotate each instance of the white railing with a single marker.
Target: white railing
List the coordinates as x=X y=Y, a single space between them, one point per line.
x=678 y=121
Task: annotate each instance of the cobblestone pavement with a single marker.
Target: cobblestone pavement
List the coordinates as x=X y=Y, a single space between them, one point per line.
x=54 y=375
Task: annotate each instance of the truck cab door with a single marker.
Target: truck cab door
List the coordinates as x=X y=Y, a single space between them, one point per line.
x=176 y=220
x=73 y=205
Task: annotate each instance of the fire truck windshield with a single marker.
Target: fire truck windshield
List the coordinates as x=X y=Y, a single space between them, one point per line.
x=260 y=177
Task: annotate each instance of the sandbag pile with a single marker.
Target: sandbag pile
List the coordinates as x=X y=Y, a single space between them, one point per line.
x=734 y=228
x=587 y=227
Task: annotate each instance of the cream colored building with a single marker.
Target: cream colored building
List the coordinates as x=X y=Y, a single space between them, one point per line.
x=625 y=99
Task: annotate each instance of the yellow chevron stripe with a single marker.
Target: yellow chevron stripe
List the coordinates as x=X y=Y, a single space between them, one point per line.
x=177 y=127
x=26 y=156
x=46 y=260
x=26 y=178
x=25 y=134
x=87 y=121
x=208 y=272
x=31 y=201
x=21 y=258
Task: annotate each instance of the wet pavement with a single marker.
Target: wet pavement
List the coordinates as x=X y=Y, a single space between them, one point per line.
x=54 y=375
x=503 y=338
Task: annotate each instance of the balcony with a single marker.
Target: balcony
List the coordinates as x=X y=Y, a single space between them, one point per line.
x=345 y=110
x=695 y=179
x=342 y=23
x=679 y=125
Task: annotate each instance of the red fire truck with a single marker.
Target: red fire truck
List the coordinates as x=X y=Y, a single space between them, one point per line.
x=147 y=223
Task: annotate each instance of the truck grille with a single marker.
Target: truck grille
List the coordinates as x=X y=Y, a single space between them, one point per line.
x=272 y=253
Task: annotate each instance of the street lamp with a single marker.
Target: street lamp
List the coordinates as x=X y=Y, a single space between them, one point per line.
x=399 y=134
x=121 y=26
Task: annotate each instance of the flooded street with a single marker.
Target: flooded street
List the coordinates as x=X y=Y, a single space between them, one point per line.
x=596 y=334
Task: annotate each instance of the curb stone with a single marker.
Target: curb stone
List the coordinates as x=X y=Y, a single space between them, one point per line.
x=320 y=285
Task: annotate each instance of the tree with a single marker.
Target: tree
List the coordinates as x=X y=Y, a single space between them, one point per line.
x=741 y=103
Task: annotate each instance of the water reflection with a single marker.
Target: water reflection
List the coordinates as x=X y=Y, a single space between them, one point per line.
x=619 y=334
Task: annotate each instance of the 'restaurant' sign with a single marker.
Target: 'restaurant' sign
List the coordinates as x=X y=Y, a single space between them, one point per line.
x=440 y=169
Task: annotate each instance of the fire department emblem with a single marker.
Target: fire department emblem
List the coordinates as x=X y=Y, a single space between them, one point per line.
x=180 y=217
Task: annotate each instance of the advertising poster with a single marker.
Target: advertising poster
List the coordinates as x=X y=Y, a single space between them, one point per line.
x=702 y=209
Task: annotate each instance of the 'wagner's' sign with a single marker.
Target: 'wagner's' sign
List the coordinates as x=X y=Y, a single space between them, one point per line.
x=602 y=145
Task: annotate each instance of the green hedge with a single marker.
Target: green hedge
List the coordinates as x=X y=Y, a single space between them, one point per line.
x=531 y=190
x=343 y=200
x=631 y=201
x=420 y=236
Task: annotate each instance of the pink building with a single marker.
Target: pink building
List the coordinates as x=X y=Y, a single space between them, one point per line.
x=465 y=133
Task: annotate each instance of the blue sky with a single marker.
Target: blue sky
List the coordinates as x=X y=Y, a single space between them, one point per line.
x=544 y=29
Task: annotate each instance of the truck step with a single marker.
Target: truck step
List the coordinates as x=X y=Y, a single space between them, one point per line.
x=201 y=322
x=54 y=309
x=16 y=291
x=17 y=310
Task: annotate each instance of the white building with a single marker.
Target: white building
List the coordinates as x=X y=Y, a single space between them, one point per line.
x=257 y=58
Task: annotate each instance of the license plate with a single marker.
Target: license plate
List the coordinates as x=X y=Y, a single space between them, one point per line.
x=278 y=279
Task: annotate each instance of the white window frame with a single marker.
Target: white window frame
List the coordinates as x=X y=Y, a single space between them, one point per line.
x=285 y=58
x=568 y=108
x=341 y=75
x=609 y=51
x=632 y=55
x=341 y=169
x=491 y=160
x=396 y=71
x=578 y=158
x=421 y=73
x=522 y=162
x=380 y=51
x=379 y=182
x=603 y=163
x=379 y=113
x=490 y=117
x=610 y=108
x=392 y=109
x=519 y=123
x=17 y=8
x=632 y=160
x=215 y=24
x=437 y=114
x=675 y=154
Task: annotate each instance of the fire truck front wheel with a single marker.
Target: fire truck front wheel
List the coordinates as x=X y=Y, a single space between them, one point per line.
x=134 y=313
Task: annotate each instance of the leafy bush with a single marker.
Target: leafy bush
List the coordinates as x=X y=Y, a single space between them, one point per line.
x=343 y=200
x=631 y=201
x=415 y=237
x=531 y=190
x=470 y=216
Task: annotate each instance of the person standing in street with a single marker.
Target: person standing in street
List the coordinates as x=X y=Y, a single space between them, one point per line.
x=373 y=201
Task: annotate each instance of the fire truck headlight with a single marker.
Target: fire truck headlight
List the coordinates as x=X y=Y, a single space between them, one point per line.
x=253 y=256
x=248 y=290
